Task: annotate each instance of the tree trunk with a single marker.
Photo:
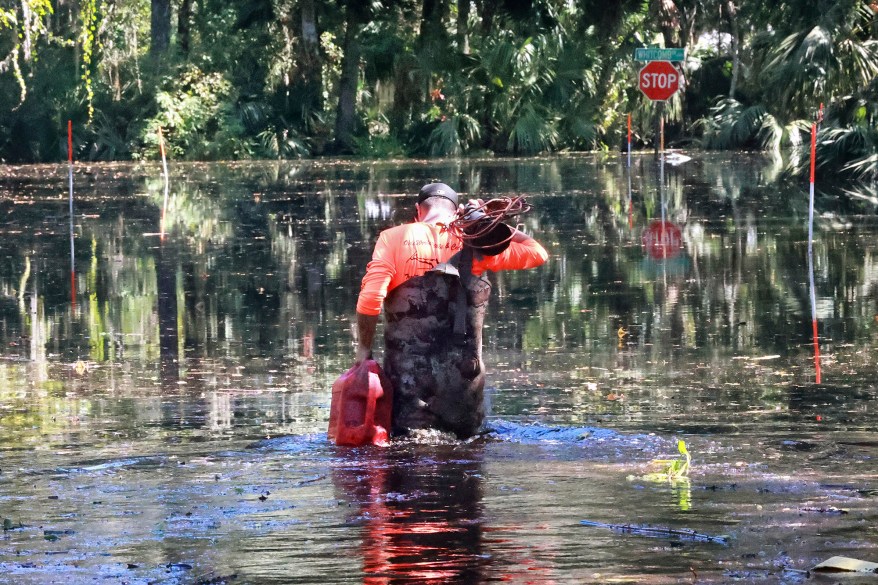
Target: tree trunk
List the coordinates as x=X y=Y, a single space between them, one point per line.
x=667 y=15
x=609 y=19
x=184 y=26
x=310 y=61
x=432 y=48
x=405 y=94
x=732 y=13
x=463 y=10
x=433 y=37
x=25 y=28
x=345 y=119
x=487 y=9
x=690 y=19
x=160 y=27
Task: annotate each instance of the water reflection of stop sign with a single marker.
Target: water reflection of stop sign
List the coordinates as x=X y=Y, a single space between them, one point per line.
x=662 y=239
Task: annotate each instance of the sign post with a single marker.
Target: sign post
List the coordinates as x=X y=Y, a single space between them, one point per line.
x=659 y=80
x=811 y=254
x=70 y=175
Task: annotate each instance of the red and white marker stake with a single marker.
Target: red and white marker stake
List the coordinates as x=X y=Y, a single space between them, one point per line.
x=811 y=200
x=630 y=202
x=70 y=177
x=629 y=140
x=811 y=256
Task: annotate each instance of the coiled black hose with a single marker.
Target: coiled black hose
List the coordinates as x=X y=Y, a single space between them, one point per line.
x=477 y=225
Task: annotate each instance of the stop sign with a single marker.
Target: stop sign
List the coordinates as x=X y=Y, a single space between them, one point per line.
x=659 y=80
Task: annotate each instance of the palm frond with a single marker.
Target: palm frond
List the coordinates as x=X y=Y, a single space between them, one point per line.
x=850 y=150
x=453 y=136
x=732 y=125
x=863 y=167
x=283 y=143
x=532 y=133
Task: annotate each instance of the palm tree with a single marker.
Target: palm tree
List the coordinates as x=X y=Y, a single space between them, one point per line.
x=529 y=91
x=803 y=57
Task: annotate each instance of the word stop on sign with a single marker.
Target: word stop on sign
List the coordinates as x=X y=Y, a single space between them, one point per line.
x=659 y=80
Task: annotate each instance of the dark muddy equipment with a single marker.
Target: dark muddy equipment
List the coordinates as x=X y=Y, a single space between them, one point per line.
x=437 y=374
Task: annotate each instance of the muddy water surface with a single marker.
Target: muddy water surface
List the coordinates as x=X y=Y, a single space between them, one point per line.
x=163 y=411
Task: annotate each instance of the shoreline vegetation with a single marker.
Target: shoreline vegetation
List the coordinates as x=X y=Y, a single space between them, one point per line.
x=288 y=79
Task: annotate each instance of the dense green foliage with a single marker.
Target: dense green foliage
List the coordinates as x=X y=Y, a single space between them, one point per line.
x=293 y=78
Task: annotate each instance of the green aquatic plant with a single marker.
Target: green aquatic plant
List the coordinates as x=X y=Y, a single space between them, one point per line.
x=676 y=473
x=673 y=468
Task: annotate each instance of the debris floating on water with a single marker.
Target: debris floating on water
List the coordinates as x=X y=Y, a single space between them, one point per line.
x=845 y=565
x=826 y=510
x=658 y=531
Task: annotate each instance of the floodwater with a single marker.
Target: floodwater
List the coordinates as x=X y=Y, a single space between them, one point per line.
x=164 y=401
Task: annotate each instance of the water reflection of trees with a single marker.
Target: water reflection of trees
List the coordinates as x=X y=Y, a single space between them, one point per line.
x=263 y=262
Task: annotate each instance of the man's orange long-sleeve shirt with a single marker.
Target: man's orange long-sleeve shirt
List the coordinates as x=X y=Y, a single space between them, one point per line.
x=410 y=250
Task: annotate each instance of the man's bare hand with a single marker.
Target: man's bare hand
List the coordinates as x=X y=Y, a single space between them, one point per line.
x=470 y=205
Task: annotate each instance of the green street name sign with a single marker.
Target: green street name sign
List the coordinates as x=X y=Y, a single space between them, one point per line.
x=655 y=54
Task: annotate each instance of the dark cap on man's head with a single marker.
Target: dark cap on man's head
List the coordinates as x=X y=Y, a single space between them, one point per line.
x=437 y=190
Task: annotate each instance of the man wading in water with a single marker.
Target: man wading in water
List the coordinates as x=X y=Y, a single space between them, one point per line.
x=434 y=294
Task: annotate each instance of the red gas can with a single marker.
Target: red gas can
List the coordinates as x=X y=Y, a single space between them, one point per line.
x=362 y=399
